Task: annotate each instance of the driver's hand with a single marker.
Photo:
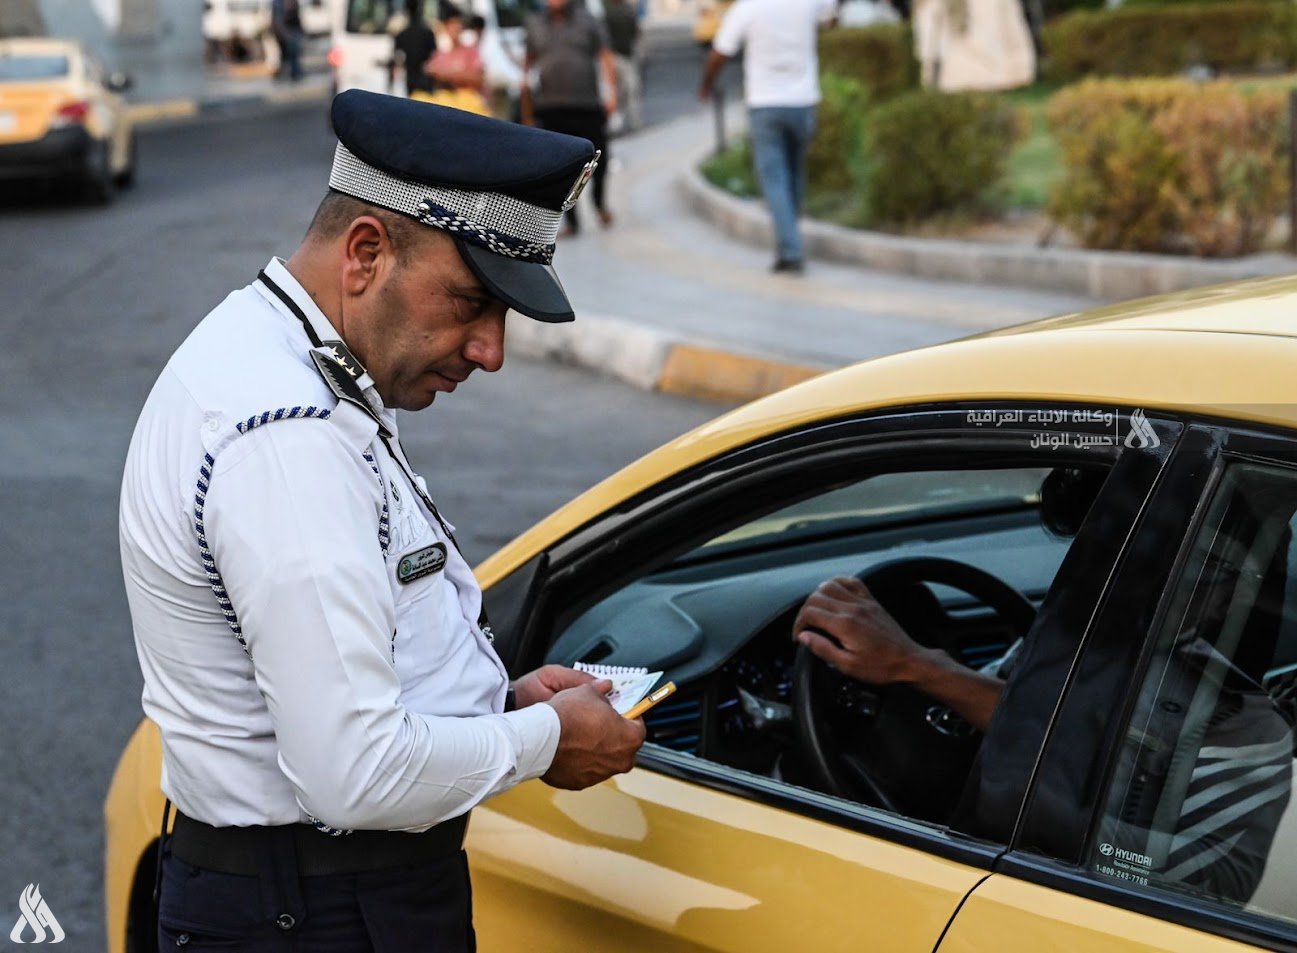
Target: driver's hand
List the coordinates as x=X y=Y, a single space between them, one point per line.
x=871 y=646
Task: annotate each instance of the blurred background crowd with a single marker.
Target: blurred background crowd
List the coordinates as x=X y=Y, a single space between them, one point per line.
x=1144 y=125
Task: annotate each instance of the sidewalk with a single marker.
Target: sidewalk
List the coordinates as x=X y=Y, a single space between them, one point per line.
x=667 y=302
x=181 y=91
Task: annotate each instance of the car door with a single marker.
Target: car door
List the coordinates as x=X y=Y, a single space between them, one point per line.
x=1162 y=815
x=696 y=851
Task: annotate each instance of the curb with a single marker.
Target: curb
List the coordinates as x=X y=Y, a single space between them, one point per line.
x=656 y=360
x=143 y=115
x=1112 y=276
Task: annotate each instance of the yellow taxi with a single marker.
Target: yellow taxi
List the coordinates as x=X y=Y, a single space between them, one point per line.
x=708 y=20
x=61 y=117
x=1096 y=512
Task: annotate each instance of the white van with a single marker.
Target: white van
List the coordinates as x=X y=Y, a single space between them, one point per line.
x=226 y=21
x=363 y=31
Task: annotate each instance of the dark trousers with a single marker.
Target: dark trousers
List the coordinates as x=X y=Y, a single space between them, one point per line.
x=423 y=908
x=588 y=124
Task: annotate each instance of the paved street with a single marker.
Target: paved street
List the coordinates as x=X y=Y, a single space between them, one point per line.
x=95 y=299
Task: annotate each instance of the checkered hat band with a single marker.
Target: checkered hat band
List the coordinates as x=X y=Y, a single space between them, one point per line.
x=500 y=223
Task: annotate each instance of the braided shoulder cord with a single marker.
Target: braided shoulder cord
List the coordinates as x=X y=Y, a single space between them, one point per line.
x=209 y=562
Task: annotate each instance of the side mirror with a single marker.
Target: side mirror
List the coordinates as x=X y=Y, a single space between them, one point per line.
x=120 y=82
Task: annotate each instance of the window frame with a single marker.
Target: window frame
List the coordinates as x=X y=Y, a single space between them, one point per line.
x=1127 y=627
x=601 y=556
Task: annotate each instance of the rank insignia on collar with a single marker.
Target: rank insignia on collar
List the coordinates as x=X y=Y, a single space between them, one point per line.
x=346 y=360
x=344 y=387
x=581 y=181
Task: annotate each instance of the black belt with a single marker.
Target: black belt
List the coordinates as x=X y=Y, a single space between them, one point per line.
x=243 y=850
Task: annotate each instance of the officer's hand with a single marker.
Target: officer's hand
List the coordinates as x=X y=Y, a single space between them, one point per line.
x=544 y=683
x=871 y=645
x=595 y=742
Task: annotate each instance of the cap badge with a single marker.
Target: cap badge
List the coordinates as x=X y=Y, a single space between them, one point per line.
x=581 y=180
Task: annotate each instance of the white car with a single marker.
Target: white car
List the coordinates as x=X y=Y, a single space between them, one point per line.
x=227 y=20
x=362 y=42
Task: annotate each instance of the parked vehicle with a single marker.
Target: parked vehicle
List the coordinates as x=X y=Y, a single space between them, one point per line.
x=708 y=20
x=362 y=50
x=234 y=24
x=62 y=117
x=245 y=23
x=1115 y=493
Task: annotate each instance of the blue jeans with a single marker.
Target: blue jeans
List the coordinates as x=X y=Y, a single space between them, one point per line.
x=780 y=137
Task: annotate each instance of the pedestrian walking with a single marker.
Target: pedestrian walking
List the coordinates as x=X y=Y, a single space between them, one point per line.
x=781 y=89
x=314 y=646
x=568 y=49
x=457 y=70
x=623 y=38
x=286 y=23
x=413 y=46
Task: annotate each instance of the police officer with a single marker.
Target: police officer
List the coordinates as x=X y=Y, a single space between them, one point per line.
x=313 y=644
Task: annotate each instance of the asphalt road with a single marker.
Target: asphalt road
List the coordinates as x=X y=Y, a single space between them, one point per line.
x=92 y=301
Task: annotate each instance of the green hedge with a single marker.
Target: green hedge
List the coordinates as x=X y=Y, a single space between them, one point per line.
x=915 y=156
x=927 y=153
x=1170 y=165
x=1168 y=39
x=880 y=57
x=835 y=149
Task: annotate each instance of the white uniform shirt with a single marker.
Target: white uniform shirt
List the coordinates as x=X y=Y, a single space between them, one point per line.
x=353 y=707
x=780 y=63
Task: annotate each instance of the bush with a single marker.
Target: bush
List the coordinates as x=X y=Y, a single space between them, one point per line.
x=926 y=153
x=880 y=58
x=731 y=170
x=1170 y=165
x=836 y=145
x=1169 y=39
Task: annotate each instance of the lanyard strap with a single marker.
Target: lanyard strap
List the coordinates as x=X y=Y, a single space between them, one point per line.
x=344 y=385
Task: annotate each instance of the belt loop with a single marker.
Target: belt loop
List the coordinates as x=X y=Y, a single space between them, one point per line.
x=281 y=886
x=162 y=843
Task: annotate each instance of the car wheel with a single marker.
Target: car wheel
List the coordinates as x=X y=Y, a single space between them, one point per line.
x=126 y=178
x=99 y=175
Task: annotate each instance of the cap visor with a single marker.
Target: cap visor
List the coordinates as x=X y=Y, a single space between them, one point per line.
x=528 y=287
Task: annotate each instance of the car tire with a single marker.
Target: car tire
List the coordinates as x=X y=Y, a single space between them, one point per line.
x=99 y=175
x=126 y=178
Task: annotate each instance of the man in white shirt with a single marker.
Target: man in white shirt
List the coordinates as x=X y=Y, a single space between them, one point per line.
x=314 y=647
x=781 y=88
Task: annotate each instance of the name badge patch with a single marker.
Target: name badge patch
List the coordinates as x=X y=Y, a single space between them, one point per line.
x=420 y=563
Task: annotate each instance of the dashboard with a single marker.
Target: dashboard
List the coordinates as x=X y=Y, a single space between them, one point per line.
x=720 y=625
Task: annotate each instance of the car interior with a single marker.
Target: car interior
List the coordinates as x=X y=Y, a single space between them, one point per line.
x=961 y=558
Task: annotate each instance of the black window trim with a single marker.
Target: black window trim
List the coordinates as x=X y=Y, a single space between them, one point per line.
x=1228 y=446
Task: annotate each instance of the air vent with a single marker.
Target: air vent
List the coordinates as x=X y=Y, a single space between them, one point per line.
x=675 y=724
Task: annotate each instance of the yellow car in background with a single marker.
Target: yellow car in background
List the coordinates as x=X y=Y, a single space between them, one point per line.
x=708 y=20
x=62 y=117
x=1097 y=511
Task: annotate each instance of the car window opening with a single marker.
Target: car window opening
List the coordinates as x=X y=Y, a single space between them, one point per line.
x=717 y=620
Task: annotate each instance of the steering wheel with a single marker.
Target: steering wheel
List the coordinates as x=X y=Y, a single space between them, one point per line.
x=892 y=746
